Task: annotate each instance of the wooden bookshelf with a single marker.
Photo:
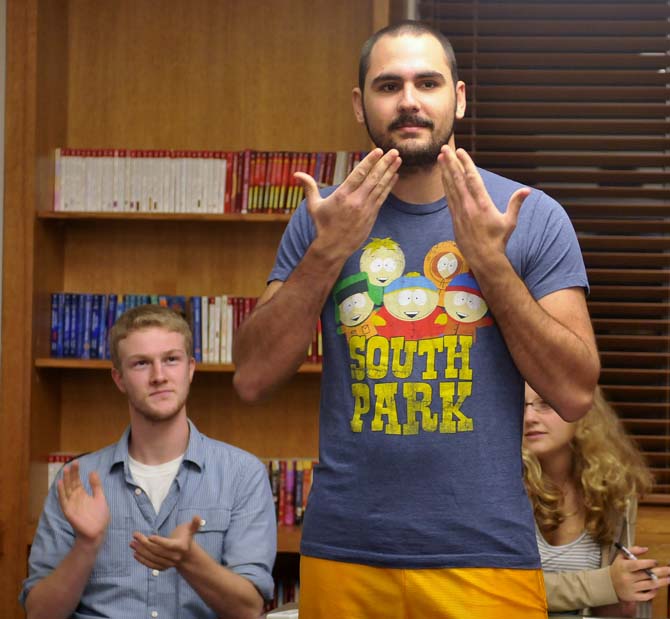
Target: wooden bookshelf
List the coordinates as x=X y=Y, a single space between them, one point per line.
x=251 y=218
x=203 y=75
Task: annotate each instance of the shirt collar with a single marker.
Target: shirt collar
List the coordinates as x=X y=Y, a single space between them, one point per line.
x=195 y=451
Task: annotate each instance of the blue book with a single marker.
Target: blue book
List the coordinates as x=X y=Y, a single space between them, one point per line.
x=77 y=334
x=112 y=303
x=177 y=303
x=57 y=306
x=67 y=325
x=120 y=308
x=102 y=338
x=94 y=330
x=196 y=326
x=84 y=334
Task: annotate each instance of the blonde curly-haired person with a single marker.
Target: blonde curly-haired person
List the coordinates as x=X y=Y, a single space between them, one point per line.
x=584 y=479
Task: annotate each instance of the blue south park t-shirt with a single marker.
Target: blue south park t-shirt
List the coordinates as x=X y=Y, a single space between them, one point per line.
x=421 y=404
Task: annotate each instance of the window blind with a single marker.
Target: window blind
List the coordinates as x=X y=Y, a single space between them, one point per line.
x=571 y=96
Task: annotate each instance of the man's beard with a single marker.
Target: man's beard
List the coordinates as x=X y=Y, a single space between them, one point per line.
x=158 y=417
x=413 y=157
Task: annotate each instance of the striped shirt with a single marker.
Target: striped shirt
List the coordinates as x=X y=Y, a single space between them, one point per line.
x=227 y=487
x=580 y=554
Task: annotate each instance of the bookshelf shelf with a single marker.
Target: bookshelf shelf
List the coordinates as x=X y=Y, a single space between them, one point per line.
x=103 y=364
x=288 y=538
x=251 y=218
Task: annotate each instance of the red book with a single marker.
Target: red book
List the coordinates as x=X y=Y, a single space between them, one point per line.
x=246 y=164
x=228 y=195
x=289 y=494
x=281 y=507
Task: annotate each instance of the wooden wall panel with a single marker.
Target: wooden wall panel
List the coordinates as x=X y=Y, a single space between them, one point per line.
x=170 y=258
x=212 y=74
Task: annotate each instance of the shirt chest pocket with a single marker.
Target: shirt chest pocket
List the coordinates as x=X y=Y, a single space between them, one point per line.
x=115 y=556
x=214 y=523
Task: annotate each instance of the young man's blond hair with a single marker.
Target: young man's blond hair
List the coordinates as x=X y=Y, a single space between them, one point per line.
x=143 y=317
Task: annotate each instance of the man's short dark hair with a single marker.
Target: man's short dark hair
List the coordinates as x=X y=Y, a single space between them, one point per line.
x=411 y=27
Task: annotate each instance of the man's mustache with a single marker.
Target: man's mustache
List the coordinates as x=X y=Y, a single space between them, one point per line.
x=410 y=121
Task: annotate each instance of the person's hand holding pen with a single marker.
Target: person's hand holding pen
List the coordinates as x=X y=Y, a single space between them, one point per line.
x=635 y=579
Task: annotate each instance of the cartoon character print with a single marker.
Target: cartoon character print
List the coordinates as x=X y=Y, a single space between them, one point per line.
x=354 y=307
x=411 y=309
x=465 y=306
x=383 y=261
x=442 y=263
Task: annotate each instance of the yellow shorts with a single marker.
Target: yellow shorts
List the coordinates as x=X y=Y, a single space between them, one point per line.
x=337 y=590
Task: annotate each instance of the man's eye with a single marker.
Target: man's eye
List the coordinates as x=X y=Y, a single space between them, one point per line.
x=139 y=363
x=429 y=85
x=388 y=88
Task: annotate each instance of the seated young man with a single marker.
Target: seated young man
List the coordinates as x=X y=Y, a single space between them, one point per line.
x=167 y=522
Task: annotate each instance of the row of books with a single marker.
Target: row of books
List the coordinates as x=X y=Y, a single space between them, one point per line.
x=290 y=481
x=80 y=323
x=187 y=181
x=287 y=590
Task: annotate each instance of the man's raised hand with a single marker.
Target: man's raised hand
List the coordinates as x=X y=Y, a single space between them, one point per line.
x=343 y=220
x=479 y=227
x=88 y=514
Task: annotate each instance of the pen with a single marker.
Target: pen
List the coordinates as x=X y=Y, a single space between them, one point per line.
x=630 y=555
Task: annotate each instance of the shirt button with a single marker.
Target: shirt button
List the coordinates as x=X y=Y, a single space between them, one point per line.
x=138 y=491
x=203 y=522
x=154 y=613
x=155 y=572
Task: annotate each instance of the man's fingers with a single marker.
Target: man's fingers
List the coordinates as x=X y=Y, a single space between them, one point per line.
x=155 y=548
x=146 y=558
x=71 y=480
x=96 y=484
x=362 y=170
x=452 y=173
x=309 y=186
x=195 y=524
x=515 y=202
x=379 y=180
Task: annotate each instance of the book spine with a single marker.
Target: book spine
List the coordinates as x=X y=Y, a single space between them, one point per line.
x=196 y=327
x=102 y=339
x=281 y=505
x=289 y=500
x=96 y=320
x=299 y=473
x=245 y=180
x=205 y=329
x=86 y=312
x=56 y=324
x=274 y=484
x=112 y=302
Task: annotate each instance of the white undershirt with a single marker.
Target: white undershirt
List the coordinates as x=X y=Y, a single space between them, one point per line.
x=155 y=479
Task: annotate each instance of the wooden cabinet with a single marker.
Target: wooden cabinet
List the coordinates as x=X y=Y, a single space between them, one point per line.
x=202 y=74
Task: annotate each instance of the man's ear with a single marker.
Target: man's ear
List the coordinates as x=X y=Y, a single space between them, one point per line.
x=118 y=380
x=357 y=102
x=460 y=99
